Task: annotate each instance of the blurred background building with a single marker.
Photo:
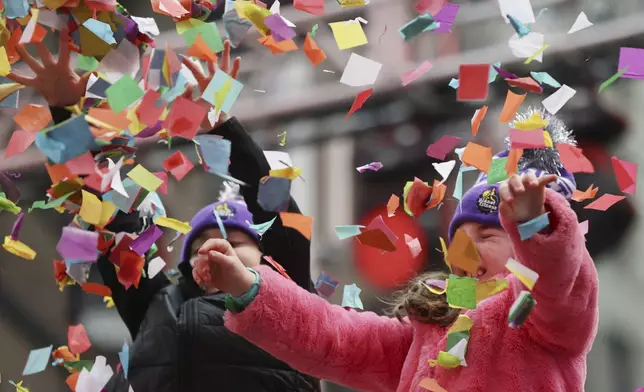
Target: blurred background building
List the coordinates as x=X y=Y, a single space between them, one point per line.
x=394 y=127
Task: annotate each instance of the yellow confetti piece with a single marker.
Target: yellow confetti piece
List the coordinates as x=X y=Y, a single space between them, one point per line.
x=222 y=93
x=109 y=302
x=489 y=288
x=445 y=360
x=534 y=56
x=435 y=290
x=534 y=122
x=188 y=24
x=444 y=250
x=5 y=66
x=19 y=387
x=288 y=172
x=107 y=210
x=91 y=208
x=283 y=139
x=348 y=34
x=143 y=177
x=463 y=323
x=8 y=205
x=9 y=88
x=547 y=139
x=18 y=248
x=170 y=223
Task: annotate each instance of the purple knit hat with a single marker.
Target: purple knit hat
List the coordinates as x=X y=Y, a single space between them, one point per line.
x=234 y=216
x=480 y=203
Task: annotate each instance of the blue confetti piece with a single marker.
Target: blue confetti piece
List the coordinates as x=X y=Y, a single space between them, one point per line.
x=37 y=361
x=66 y=140
x=262 y=228
x=220 y=223
x=351 y=297
x=101 y=30
x=532 y=227
x=520 y=28
x=124 y=357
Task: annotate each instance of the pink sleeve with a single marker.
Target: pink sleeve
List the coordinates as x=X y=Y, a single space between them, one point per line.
x=566 y=314
x=360 y=350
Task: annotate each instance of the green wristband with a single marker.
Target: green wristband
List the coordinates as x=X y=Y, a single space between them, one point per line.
x=238 y=304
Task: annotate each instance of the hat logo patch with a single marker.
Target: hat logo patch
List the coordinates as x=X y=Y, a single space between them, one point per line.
x=224 y=211
x=488 y=202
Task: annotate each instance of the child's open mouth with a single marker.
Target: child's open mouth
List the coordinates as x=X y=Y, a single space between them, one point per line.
x=479 y=273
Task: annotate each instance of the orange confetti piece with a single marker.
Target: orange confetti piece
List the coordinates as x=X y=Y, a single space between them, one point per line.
x=511 y=165
x=431 y=385
x=438 y=194
x=58 y=173
x=376 y=238
x=462 y=253
x=33 y=118
x=479 y=115
x=478 y=156
x=201 y=50
x=277 y=47
x=107 y=116
x=604 y=202
x=589 y=193
x=313 y=51
x=512 y=103
x=301 y=223
x=392 y=205
x=97 y=289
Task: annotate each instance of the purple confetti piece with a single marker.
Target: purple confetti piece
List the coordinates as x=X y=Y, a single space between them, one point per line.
x=373 y=166
x=633 y=60
x=16 y=226
x=77 y=244
x=150 y=131
x=441 y=284
x=279 y=29
x=505 y=74
x=446 y=17
x=145 y=240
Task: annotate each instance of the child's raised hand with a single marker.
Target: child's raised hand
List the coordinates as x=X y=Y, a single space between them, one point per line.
x=55 y=79
x=523 y=196
x=203 y=80
x=218 y=266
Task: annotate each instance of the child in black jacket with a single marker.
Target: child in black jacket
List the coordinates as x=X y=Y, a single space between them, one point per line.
x=180 y=342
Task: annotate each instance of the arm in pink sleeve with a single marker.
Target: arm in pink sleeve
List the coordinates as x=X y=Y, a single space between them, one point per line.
x=360 y=350
x=566 y=313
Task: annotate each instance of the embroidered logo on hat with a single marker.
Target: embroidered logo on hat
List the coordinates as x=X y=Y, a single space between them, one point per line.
x=488 y=201
x=224 y=211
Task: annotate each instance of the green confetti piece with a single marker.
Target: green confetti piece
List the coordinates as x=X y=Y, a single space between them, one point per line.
x=87 y=63
x=497 y=171
x=461 y=292
x=43 y=205
x=611 y=80
x=314 y=31
x=455 y=337
x=8 y=205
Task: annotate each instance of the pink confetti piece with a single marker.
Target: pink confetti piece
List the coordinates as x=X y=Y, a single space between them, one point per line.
x=409 y=77
x=373 y=166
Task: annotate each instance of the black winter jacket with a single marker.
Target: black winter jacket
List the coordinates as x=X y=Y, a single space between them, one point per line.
x=180 y=342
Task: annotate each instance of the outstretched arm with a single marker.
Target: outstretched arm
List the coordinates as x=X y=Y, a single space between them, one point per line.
x=566 y=313
x=360 y=350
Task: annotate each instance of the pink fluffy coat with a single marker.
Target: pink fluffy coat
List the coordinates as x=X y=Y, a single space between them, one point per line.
x=375 y=353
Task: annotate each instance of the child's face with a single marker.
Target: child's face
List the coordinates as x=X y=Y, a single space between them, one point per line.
x=244 y=246
x=494 y=247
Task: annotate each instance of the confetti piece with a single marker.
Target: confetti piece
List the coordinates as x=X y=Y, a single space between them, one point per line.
x=611 y=80
x=209 y=34
x=123 y=93
x=97 y=289
x=376 y=238
x=489 y=288
x=348 y=35
x=444 y=169
x=178 y=165
x=410 y=76
x=527 y=139
x=144 y=178
x=626 y=174
x=392 y=205
x=521 y=30
x=282 y=137
x=442 y=147
x=604 y=202
x=78 y=244
x=545 y=78
x=373 y=166
x=278 y=47
x=463 y=254
x=33 y=118
x=37 y=361
x=416 y=26
x=348 y=231
x=280 y=31
x=497 y=172
x=536 y=54
x=573 y=159
x=315 y=7
x=446 y=17
x=589 y=193
x=631 y=60
x=416 y=196
x=478 y=156
x=525 y=47
x=351 y=297
x=414 y=246
x=146 y=240
x=461 y=292
x=527 y=84
x=359 y=102
x=274 y=193
x=583 y=227
x=520 y=309
x=314 y=30
x=558 y=99
x=18 y=248
x=155 y=266
x=66 y=141
x=77 y=339
x=532 y=227
x=101 y=30
x=581 y=23
x=91 y=208
x=19 y=143
x=301 y=223
x=170 y=223
x=218 y=82
x=326 y=285
x=527 y=276
x=473 y=82
x=313 y=52
x=124 y=354
x=360 y=71
x=520 y=9
x=479 y=115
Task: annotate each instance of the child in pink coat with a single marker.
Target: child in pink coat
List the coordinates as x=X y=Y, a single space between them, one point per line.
x=368 y=352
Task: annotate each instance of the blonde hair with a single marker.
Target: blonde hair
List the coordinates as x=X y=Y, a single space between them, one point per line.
x=418 y=303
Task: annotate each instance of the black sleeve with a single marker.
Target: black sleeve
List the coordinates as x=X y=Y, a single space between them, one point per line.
x=131 y=304
x=285 y=245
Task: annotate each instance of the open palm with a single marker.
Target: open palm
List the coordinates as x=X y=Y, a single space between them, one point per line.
x=54 y=79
